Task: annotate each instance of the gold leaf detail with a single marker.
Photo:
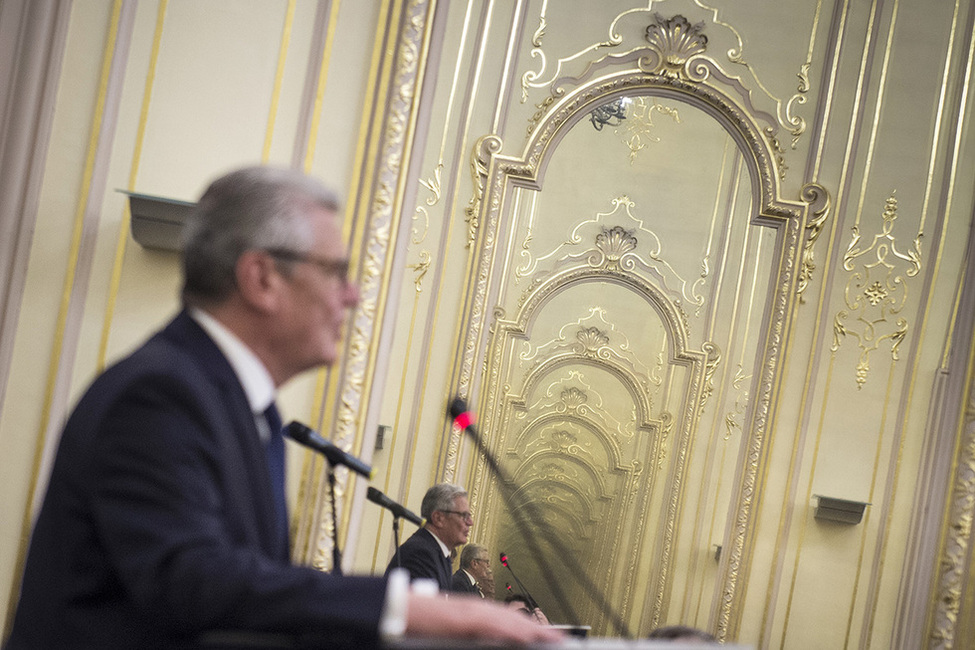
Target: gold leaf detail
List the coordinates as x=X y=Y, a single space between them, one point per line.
x=675 y=40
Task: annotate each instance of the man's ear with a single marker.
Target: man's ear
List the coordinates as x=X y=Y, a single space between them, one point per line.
x=258 y=280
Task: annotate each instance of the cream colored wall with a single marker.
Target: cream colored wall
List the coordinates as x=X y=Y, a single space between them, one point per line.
x=198 y=89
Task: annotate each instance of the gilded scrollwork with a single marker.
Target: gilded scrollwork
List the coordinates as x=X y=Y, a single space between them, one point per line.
x=702 y=84
x=483 y=149
x=618 y=247
x=435 y=186
x=818 y=199
x=741 y=403
x=673 y=47
x=638 y=129
x=876 y=292
x=363 y=329
x=710 y=366
x=420 y=269
x=785 y=111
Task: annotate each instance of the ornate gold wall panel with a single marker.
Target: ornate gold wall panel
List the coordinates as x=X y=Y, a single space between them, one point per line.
x=602 y=251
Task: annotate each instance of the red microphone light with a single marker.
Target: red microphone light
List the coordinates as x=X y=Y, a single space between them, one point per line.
x=464 y=420
x=504 y=559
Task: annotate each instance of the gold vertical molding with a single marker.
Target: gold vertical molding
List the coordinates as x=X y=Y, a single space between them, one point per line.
x=831 y=68
x=461 y=60
x=956 y=539
x=956 y=531
x=312 y=466
x=944 y=214
x=123 y=233
x=450 y=444
x=804 y=515
x=314 y=509
x=272 y=112
x=891 y=378
x=377 y=229
x=76 y=273
x=316 y=113
x=75 y=248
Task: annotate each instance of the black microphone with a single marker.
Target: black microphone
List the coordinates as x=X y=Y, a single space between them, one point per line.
x=381 y=499
x=525 y=517
x=531 y=601
x=335 y=455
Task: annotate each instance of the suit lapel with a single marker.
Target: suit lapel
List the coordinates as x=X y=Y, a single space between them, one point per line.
x=252 y=479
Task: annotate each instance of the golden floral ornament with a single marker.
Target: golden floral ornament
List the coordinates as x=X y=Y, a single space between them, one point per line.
x=876 y=292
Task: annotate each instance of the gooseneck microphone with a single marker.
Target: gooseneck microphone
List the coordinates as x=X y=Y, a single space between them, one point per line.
x=381 y=499
x=332 y=452
x=531 y=601
x=527 y=512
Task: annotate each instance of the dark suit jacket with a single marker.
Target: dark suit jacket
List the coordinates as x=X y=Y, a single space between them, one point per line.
x=462 y=584
x=158 y=522
x=422 y=557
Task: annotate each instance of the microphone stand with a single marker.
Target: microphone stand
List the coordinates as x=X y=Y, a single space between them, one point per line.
x=336 y=552
x=458 y=409
x=531 y=601
x=399 y=563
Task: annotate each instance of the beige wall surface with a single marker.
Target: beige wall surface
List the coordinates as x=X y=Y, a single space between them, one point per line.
x=679 y=330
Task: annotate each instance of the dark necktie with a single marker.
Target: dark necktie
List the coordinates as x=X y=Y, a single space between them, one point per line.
x=275 y=463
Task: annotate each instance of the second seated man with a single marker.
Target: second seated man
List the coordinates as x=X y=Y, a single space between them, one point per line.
x=427 y=552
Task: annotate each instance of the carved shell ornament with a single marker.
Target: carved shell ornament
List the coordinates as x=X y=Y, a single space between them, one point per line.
x=592 y=339
x=675 y=40
x=615 y=242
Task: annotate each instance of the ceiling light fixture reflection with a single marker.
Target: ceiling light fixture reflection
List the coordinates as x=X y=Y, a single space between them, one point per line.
x=609 y=114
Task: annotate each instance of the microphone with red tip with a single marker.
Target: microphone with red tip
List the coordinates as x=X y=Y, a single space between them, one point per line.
x=528 y=521
x=335 y=455
x=531 y=601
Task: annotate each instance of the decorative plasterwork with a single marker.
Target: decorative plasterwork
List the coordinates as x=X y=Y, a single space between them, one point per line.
x=673 y=46
x=637 y=131
x=702 y=84
x=620 y=240
x=949 y=587
x=385 y=197
x=876 y=291
x=819 y=204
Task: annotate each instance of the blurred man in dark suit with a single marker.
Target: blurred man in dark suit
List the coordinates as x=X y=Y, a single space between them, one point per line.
x=165 y=516
x=474 y=571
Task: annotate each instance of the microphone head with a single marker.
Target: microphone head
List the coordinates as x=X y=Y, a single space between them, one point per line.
x=504 y=559
x=298 y=431
x=373 y=494
x=457 y=407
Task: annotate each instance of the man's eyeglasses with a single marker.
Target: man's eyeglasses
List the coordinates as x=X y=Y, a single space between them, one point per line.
x=466 y=516
x=337 y=268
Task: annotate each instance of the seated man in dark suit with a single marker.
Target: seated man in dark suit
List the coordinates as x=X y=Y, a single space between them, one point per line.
x=427 y=552
x=165 y=517
x=475 y=568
